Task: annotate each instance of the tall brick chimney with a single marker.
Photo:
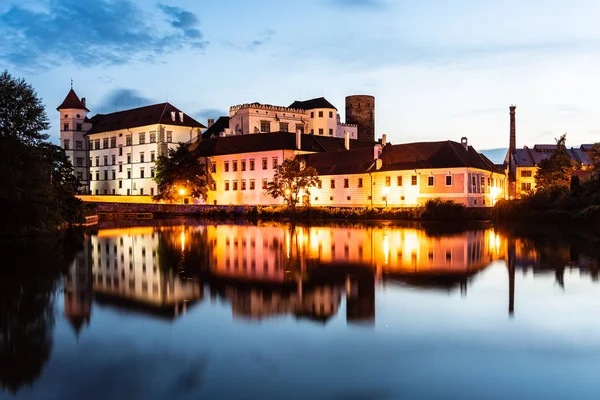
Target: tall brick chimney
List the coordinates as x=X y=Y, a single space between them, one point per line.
x=512 y=147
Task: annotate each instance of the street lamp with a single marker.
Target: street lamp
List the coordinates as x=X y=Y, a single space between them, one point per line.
x=386 y=192
x=182 y=193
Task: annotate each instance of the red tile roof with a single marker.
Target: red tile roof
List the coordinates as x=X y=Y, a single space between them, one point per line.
x=72 y=101
x=141 y=116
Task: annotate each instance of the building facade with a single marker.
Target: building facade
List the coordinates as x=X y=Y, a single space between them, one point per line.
x=115 y=154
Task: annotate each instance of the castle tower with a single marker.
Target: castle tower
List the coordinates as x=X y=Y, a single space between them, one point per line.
x=360 y=110
x=512 y=148
x=73 y=125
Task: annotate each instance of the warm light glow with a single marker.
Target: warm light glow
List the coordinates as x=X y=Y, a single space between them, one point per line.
x=287 y=192
x=182 y=240
x=182 y=191
x=386 y=248
x=386 y=190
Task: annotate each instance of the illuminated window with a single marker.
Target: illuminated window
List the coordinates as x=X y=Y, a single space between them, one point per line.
x=243 y=184
x=430 y=181
x=388 y=181
x=526 y=187
x=226 y=166
x=413 y=180
x=252 y=184
x=252 y=164
x=234 y=186
x=226 y=185
x=243 y=165
x=526 y=174
x=320 y=184
x=264 y=184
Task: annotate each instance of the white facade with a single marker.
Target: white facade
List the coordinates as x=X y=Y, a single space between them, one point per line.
x=73 y=141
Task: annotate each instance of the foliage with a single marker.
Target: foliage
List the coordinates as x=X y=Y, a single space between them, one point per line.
x=179 y=176
x=442 y=210
x=289 y=179
x=594 y=156
x=556 y=170
x=38 y=187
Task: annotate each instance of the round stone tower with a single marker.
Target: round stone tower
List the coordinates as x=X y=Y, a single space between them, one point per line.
x=360 y=110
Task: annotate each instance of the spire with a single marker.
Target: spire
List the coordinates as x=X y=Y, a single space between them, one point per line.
x=72 y=101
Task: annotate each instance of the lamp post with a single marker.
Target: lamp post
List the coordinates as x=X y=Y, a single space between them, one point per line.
x=182 y=193
x=386 y=192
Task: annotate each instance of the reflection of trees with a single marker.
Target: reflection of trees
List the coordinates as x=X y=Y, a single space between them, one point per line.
x=28 y=279
x=183 y=249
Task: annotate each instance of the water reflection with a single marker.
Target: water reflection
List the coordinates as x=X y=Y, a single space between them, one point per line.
x=272 y=269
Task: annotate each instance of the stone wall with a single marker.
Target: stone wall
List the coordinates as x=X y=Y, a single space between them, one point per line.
x=360 y=110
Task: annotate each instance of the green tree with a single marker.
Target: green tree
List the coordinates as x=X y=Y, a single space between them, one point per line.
x=180 y=175
x=37 y=187
x=289 y=179
x=555 y=170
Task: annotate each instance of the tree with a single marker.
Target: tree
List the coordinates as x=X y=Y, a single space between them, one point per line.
x=37 y=187
x=289 y=179
x=555 y=170
x=594 y=156
x=180 y=175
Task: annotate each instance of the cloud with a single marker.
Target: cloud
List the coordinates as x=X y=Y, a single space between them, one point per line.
x=263 y=38
x=91 y=33
x=204 y=114
x=122 y=99
x=372 y=4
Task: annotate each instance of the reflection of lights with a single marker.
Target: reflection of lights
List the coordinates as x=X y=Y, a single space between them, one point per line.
x=182 y=239
x=495 y=192
x=386 y=247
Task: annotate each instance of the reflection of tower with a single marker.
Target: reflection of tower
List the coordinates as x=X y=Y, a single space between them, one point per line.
x=512 y=148
x=360 y=301
x=510 y=263
x=360 y=110
x=78 y=289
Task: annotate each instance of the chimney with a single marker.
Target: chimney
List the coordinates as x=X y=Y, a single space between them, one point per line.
x=383 y=140
x=298 y=139
x=465 y=142
x=376 y=152
x=210 y=123
x=512 y=147
x=347 y=140
x=83 y=101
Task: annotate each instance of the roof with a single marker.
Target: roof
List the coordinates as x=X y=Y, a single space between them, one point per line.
x=141 y=116
x=72 y=101
x=236 y=144
x=400 y=157
x=531 y=157
x=311 y=104
x=219 y=126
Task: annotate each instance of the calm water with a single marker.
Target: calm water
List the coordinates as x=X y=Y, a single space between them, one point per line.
x=186 y=311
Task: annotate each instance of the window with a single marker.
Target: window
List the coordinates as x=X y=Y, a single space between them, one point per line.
x=483 y=181
x=78 y=145
x=488 y=181
x=312 y=131
x=234 y=185
x=346 y=183
x=226 y=185
x=128 y=140
x=97 y=161
x=90 y=164
x=320 y=131
x=151 y=172
x=300 y=127
x=265 y=126
x=320 y=184
x=252 y=164
x=264 y=163
x=80 y=176
x=105 y=160
x=526 y=187
x=120 y=167
x=128 y=158
x=226 y=166
x=142 y=138
x=320 y=114
x=448 y=180
x=399 y=180
x=388 y=181
x=234 y=164
x=264 y=184
x=114 y=159
x=252 y=184
x=105 y=175
x=284 y=127
x=113 y=142
x=79 y=161
x=142 y=156
x=312 y=114
x=114 y=174
x=120 y=184
x=169 y=136
x=525 y=174
x=243 y=184
x=120 y=151
x=105 y=143
x=152 y=137
x=348 y=198
x=243 y=165
x=65 y=127
x=413 y=180
x=333 y=183
x=330 y=114
x=128 y=173
x=330 y=132
x=274 y=162
x=430 y=181
x=360 y=182
x=153 y=158
x=66 y=144
x=141 y=172
x=97 y=175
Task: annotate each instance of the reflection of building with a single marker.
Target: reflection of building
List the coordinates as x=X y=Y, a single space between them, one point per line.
x=78 y=289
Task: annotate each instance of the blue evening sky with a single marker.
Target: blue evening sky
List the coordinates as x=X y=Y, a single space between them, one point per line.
x=438 y=69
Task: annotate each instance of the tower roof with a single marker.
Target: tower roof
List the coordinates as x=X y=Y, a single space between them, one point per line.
x=72 y=101
x=311 y=104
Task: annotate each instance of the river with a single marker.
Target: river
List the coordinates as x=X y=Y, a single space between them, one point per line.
x=185 y=310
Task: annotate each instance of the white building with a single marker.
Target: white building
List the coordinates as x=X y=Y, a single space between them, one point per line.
x=115 y=154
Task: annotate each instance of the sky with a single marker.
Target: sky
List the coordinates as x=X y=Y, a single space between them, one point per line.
x=439 y=70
